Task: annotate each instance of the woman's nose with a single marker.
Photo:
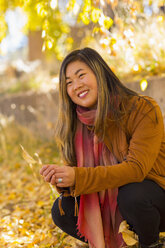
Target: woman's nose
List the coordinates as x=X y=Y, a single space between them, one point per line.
x=77 y=84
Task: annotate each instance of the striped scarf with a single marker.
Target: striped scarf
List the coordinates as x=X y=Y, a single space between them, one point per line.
x=99 y=217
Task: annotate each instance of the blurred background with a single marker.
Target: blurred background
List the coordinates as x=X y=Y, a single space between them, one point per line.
x=35 y=36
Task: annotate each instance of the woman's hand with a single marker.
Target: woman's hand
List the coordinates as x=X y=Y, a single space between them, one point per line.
x=61 y=176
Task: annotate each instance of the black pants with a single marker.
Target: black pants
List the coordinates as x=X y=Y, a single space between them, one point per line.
x=66 y=222
x=141 y=204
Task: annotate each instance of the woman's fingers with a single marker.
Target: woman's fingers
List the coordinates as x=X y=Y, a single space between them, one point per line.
x=53 y=180
x=47 y=171
x=47 y=168
x=44 y=167
x=47 y=178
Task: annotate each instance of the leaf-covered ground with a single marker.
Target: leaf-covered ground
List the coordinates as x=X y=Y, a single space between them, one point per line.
x=25 y=202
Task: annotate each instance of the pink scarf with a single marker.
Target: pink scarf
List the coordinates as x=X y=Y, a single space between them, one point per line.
x=99 y=217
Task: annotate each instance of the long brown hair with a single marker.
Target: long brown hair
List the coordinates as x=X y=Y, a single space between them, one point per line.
x=110 y=93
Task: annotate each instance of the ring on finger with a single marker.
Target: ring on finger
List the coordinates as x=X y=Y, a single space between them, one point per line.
x=60 y=180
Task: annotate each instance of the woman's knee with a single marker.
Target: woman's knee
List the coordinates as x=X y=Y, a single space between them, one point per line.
x=68 y=206
x=56 y=213
x=131 y=197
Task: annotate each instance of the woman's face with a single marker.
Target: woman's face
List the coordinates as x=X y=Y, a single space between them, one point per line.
x=81 y=84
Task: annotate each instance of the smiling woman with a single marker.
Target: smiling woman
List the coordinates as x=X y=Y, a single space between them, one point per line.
x=113 y=146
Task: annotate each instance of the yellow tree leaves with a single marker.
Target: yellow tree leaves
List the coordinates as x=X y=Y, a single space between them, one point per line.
x=46 y=15
x=3 y=27
x=95 y=15
x=91 y=13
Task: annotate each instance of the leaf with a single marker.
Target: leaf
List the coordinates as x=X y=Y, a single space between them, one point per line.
x=108 y=22
x=31 y=162
x=84 y=18
x=95 y=15
x=129 y=237
x=162 y=234
x=38 y=158
x=123 y=226
x=27 y=157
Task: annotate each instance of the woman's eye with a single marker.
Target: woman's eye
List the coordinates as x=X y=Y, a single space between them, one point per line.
x=81 y=75
x=68 y=82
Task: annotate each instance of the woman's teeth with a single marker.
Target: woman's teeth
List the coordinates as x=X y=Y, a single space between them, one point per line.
x=83 y=93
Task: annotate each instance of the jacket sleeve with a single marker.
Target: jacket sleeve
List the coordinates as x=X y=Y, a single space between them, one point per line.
x=146 y=129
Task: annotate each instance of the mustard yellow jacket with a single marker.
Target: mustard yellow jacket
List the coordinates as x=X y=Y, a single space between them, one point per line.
x=139 y=146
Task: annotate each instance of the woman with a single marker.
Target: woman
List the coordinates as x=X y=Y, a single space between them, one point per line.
x=113 y=141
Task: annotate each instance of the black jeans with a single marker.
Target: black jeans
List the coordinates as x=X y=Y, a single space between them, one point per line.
x=66 y=222
x=142 y=205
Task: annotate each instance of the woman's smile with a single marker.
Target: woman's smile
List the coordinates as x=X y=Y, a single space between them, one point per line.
x=83 y=94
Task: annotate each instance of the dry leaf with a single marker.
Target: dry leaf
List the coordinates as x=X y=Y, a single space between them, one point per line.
x=27 y=157
x=129 y=237
x=31 y=163
x=162 y=234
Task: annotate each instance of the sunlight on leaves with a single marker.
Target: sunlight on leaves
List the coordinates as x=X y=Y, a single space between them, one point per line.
x=121 y=20
x=108 y=22
x=53 y=4
x=95 y=15
x=25 y=205
x=3 y=27
x=84 y=18
x=143 y=84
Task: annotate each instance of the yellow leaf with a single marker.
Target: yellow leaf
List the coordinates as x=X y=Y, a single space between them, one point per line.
x=71 y=4
x=3 y=27
x=160 y=18
x=95 y=30
x=49 y=44
x=162 y=234
x=129 y=237
x=70 y=40
x=84 y=18
x=123 y=226
x=30 y=246
x=40 y=203
x=108 y=22
x=143 y=84
x=95 y=15
x=113 y=41
x=12 y=196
